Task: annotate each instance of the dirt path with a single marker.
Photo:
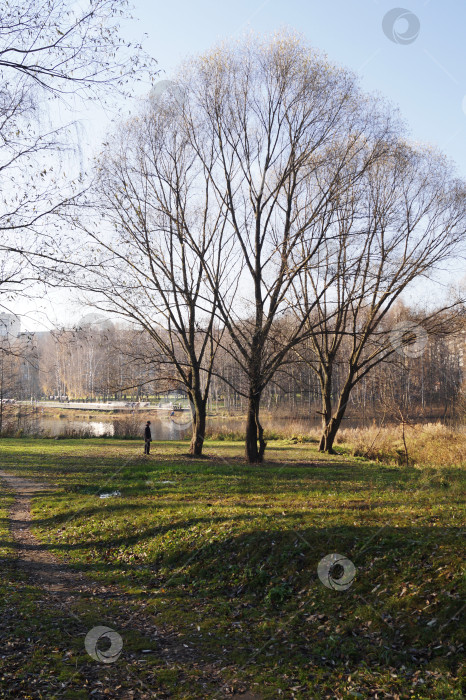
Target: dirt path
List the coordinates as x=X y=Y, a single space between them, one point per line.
x=33 y=556
x=65 y=587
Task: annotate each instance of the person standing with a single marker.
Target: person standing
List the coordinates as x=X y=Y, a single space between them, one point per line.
x=147 y=438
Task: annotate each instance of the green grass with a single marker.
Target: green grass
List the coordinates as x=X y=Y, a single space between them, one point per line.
x=225 y=559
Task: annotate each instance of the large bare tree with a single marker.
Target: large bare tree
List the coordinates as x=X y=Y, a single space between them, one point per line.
x=398 y=224
x=159 y=223
x=282 y=135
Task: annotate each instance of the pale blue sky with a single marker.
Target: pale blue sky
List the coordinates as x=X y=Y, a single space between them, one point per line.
x=426 y=78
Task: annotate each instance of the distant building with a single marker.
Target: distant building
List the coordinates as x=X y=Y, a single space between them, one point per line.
x=10 y=326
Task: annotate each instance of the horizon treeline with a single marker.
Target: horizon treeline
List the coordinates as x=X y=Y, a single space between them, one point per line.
x=120 y=363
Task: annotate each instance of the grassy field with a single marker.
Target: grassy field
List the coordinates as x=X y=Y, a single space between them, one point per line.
x=222 y=558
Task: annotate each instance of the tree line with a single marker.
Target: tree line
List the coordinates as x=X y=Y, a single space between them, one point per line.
x=103 y=362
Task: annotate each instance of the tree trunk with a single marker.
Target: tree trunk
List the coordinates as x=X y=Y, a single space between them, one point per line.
x=328 y=436
x=333 y=425
x=326 y=388
x=255 y=444
x=199 y=412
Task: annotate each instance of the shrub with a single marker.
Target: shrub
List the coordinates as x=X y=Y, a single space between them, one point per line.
x=69 y=432
x=128 y=426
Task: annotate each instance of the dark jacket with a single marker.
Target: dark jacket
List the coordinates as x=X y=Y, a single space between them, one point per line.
x=147 y=433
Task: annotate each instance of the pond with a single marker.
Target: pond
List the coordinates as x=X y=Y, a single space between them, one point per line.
x=161 y=429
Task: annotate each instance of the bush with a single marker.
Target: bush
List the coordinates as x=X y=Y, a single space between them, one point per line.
x=75 y=433
x=128 y=426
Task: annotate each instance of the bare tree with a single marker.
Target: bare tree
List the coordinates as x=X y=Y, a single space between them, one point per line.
x=398 y=224
x=50 y=49
x=276 y=128
x=160 y=224
x=63 y=46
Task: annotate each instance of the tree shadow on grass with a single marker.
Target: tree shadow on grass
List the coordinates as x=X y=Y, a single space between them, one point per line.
x=71 y=470
x=133 y=539
x=400 y=606
x=256 y=599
